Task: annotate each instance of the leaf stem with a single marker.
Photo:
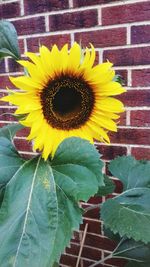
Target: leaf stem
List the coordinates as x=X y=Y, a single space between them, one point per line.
x=101 y=261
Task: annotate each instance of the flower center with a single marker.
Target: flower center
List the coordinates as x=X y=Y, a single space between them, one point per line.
x=67 y=102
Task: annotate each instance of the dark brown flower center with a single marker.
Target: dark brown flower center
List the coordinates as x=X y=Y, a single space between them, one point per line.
x=67 y=102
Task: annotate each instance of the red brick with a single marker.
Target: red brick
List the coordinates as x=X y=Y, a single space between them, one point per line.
x=126 y=13
x=87 y=252
x=33 y=7
x=134 y=98
x=141 y=77
x=96 y=241
x=14 y=66
x=103 y=38
x=128 y=56
x=9 y=10
x=5 y=82
x=34 y=43
x=23 y=145
x=140 y=118
x=6 y=114
x=116 y=262
x=30 y=26
x=21 y=46
x=131 y=136
x=74 y=20
x=141 y=153
x=93 y=226
x=140 y=34
x=23 y=133
x=2 y=66
x=82 y=3
x=110 y=152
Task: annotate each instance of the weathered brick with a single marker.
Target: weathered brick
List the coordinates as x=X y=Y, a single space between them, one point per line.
x=82 y=3
x=9 y=10
x=103 y=38
x=30 y=26
x=140 y=118
x=33 y=7
x=126 y=13
x=141 y=77
x=140 y=34
x=134 y=98
x=34 y=43
x=131 y=136
x=128 y=56
x=110 y=152
x=141 y=153
x=74 y=20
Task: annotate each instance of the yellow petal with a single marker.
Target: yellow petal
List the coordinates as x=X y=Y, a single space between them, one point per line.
x=108 y=89
x=74 y=57
x=25 y=83
x=110 y=104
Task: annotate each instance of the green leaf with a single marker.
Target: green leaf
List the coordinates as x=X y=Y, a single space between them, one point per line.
x=131 y=172
x=78 y=174
x=8 y=40
x=10 y=161
x=119 y=79
x=80 y=168
x=132 y=250
x=10 y=130
x=129 y=214
x=108 y=188
x=37 y=220
x=137 y=264
x=28 y=217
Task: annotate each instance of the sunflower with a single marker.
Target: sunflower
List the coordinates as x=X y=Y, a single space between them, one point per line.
x=64 y=95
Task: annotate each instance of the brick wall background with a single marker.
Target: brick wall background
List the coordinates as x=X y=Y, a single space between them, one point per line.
x=120 y=32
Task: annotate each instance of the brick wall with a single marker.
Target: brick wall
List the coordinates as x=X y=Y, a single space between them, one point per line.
x=120 y=32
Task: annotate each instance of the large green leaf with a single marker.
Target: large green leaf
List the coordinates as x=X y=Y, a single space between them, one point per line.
x=10 y=130
x=8 y=40
x=137 y=264
x=36 y=219
x=77 y=162
x=129 y=214
x=10 y=160
x=131 y=172
x=28 y=217
x=78 y=174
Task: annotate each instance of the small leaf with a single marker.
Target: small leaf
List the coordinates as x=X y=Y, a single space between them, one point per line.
x=108 y=188
x=129 y=214
x=119 y=79
x=8 y=40
x=131 y=172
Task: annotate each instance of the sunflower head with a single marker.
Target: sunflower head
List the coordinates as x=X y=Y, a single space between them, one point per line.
x=64 y=95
